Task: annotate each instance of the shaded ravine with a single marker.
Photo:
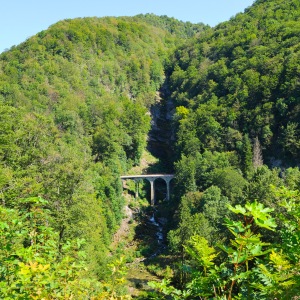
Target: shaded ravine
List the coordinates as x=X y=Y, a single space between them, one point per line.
x=149 y=246
x=149 y=240
x=161 y=134
x=159 y=144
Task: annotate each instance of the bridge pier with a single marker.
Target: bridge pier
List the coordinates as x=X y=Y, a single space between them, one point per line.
x=137 y=187
x=152 y=197
x=167 y=180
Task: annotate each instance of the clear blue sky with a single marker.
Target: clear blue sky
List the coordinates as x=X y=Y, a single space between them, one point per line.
x=21 y=19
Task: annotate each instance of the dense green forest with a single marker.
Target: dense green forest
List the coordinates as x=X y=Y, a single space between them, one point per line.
x=74 y=102
x=74 y=116
x=236 y=157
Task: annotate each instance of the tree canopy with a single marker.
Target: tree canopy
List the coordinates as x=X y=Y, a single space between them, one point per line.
x=74 y=116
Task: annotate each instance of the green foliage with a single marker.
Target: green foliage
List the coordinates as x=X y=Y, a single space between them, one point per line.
x=73 y=118
x=197 y=247
x=239 y=81
x=259 y=186
x=173 y=26
x=290 y=233
x=33 y=266
x=250 y=268
x=257 y=212
x=279 y=280
x=191 y=221
x=245 y=150
x=165 y=290
x=198 y=171
x=231 y=182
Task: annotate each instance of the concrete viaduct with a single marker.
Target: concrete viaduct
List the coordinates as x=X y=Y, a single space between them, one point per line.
x=151 y=178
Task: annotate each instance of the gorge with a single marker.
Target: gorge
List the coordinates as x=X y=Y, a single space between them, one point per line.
x=219 y=106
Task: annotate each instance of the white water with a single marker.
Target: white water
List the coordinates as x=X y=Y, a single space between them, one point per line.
x=159 y=235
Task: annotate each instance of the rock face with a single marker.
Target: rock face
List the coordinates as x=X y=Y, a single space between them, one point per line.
x=161 y=135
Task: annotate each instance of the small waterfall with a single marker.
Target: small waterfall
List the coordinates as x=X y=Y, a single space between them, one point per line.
x=160 y=139
x=158 y=234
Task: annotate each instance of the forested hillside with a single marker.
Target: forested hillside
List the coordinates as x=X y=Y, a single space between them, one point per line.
x=236 y=92
x=243 y=75
x=73 y=102
x=74 y=116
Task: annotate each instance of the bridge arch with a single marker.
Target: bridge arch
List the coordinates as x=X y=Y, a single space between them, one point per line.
x=151 y=178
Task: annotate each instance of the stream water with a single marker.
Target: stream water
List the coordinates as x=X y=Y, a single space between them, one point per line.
x=158 y=235
x=160 y=140
x=150 y=232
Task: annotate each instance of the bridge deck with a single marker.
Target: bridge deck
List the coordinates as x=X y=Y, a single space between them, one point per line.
x=147 y=176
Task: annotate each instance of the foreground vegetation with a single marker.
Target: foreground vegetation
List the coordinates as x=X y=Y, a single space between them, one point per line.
x=237 y=138
x=246 y=266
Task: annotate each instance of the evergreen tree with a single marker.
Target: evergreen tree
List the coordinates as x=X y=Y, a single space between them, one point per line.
x=246 y=155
